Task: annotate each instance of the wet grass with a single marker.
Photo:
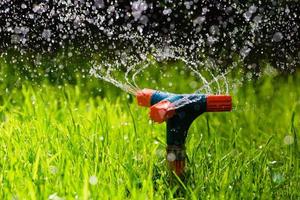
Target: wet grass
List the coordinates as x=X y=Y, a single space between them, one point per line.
x=55 y=143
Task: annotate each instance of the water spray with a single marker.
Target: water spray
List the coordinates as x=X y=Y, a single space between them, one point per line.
x=179 y=111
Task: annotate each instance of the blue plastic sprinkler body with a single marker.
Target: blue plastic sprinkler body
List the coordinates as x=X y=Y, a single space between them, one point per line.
x=179 y=118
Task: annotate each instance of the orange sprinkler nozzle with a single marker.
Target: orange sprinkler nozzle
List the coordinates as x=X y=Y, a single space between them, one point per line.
x=218 y=103
x=160 y=112
x=144 y=97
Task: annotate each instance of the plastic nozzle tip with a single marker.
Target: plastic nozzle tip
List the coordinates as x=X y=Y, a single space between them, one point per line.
x=144 y=97
x=160 y=112
x=218 y=103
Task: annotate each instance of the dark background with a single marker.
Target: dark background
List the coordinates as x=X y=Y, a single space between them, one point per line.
x=50 y=29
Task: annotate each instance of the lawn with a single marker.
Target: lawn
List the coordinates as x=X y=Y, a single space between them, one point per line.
x=57 y=142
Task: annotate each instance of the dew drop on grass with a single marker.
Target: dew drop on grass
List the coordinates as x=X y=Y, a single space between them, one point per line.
x=273 y=162
x=159 y=152
x=288 y=140
x=125 y=123
x=278 y=178
x=53 y=169
x=93 y=180
x=54 y=196
x=101 y=138
x=126 y=137
x=14 y=197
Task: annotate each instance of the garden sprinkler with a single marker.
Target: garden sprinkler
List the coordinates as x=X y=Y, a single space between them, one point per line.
x=179 y=118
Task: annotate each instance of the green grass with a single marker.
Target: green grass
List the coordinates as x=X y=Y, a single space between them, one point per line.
x=54 y=140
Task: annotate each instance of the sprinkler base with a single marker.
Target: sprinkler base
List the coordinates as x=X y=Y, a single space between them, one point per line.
x=176 y=156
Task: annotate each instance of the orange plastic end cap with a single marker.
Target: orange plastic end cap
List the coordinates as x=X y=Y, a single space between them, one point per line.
x=160 y=112
x=218 y=103
x=144 y=97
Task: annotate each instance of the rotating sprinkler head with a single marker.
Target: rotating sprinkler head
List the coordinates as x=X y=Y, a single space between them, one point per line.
x=179 y=111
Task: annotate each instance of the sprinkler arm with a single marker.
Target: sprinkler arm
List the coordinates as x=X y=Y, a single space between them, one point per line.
x=179 y=120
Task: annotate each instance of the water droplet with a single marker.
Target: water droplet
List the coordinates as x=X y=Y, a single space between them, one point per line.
x=15 y=39
x=138 y=7
x=193 y=84
x=247 y=15
x=125 y=137
x=23 y=6
x=167 y=11
x=54 y=196
x=287 y=10
x=288 y=140
x=278 y=178
x=257 y=19
x=46 y=34
x=205 y=10
x=211 y=40
x=171 y=157
x=93 y=180
x=252 y=9
x=214 y=30
x=277 y=37
x=199 y=20
x=188 y=4
x=99 y=3
x=53 y=169
x=245 y=51
x=101 y=138
x=273 y=162
x=159 y=153
x=40 y=8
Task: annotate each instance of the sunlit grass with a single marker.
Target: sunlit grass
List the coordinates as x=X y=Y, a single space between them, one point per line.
x=55 y=143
